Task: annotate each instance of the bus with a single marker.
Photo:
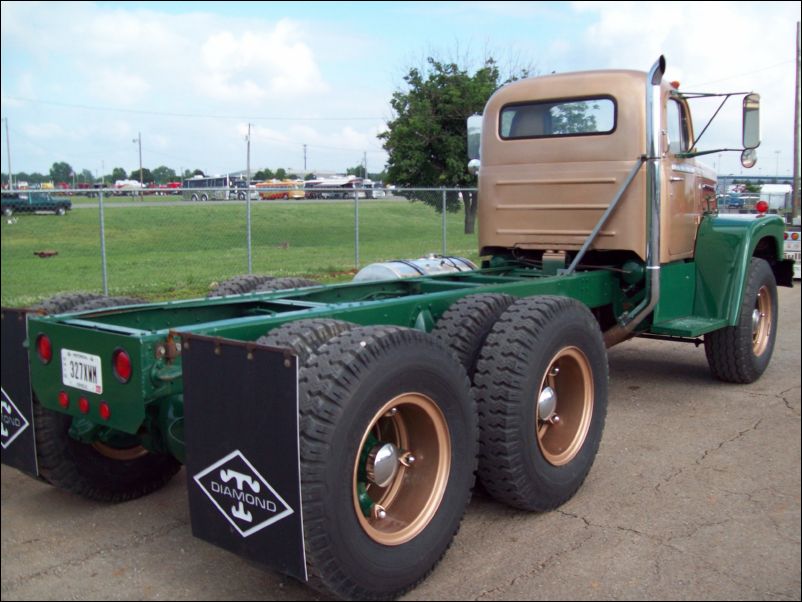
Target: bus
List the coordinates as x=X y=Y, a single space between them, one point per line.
x=284 y=189
x=215 y=188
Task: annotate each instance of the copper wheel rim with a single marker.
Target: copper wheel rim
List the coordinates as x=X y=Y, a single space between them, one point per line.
x=415 y=425
x=122 y=454
x=762 y=318
x=562 y=433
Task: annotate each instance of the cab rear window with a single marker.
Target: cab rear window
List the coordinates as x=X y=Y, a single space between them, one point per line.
x=557 y=118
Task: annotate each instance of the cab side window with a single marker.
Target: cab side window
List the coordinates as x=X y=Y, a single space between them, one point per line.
x=678 y=130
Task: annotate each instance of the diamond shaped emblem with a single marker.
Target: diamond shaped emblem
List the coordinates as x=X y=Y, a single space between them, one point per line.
x=13 y=422
x=242 y=494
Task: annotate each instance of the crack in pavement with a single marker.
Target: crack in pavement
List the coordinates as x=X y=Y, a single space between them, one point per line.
x=705 y=454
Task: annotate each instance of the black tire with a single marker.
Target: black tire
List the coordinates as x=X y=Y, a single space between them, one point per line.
x=65 y=302
x=97 y=472
x=61 y=211
x=280 y=284
x=348 y=387
x=305 y=337
x=240 y=284
x=527 y=460
x=741 y=353
x=465 y=325
x=106 y=302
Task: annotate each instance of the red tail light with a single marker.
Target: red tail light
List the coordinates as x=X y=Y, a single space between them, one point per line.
x=105 y=410
x=122 y=365
x=64 y=399
x=762 y=206
x=785 y=235
x=795 y=236
x=83 y=405
x=44 y=348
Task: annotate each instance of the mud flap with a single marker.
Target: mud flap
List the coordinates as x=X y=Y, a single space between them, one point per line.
x=242 y=450
x=17 y=429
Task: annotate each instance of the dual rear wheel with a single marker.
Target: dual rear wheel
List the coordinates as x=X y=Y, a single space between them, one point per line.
x=391 y=433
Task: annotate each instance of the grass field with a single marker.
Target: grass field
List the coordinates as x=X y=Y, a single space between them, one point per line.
x=175 y=252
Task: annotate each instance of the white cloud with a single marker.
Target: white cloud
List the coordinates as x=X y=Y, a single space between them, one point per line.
x=709 y=47
x=253 y=66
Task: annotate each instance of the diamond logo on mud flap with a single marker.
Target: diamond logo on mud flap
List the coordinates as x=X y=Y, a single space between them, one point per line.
x=241 y=494
x=13 y=422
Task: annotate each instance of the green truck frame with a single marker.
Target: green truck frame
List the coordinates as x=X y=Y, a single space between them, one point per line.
x=334 y=433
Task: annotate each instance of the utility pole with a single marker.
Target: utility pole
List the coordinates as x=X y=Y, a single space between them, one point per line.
x=138 y=139
x=248 y=201
x=8 y=149
x=796 y=130
x=304 y=160
x=365 y=163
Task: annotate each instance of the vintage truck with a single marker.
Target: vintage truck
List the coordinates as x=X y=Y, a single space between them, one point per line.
x=34 y=202
x=334 y=433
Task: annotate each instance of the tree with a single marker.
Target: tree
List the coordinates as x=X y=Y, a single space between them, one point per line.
x=61 y=172
x=87 y=176
x=264 y=174
x=118 y=173
x=147 y=175
x=281 y=173
x=358 y=171
x=163 y=174
x=427 y=140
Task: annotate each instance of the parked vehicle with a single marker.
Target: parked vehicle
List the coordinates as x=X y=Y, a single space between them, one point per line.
x=34 y=202
x=216 y=188
x=281 y=189
x=334 y=432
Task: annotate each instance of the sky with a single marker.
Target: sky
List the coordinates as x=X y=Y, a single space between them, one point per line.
x=81 y=81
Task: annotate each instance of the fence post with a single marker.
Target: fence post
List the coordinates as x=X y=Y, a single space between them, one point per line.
x=356 y=228
x=104 y=268
x=248 y=220
x=444 y=223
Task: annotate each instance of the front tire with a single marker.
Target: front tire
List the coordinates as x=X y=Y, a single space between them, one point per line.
x=741 y=353
x=375 y=527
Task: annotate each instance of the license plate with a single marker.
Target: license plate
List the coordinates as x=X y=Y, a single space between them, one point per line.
x=82 y=371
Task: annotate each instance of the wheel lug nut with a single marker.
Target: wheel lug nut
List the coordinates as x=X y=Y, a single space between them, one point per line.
x=407 y=459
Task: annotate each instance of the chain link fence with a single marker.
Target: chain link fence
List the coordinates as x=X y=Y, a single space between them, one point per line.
x=169 y=246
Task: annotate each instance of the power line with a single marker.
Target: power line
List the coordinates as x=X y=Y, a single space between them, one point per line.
x=188 y=115
x=738 y=75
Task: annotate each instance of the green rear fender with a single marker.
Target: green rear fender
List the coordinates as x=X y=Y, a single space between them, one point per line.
x=724 y=249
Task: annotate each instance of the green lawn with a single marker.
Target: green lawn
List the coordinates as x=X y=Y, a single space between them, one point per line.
x=177 y=252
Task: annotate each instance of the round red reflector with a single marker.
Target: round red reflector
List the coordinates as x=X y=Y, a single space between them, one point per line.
x=762 y=206
x=105 y=410
x=64 y=399
x=122 y=365
x=44 y=348
x=83 y=405
x=785 y=235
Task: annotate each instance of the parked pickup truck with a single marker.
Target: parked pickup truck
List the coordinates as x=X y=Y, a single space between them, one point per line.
x=33 y=202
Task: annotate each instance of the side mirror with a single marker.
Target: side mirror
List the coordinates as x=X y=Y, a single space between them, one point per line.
x=749 y=158
x=751 y=122
x=474 y=136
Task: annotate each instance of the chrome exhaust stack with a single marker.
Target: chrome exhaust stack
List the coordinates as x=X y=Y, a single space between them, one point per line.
x=630 y=320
